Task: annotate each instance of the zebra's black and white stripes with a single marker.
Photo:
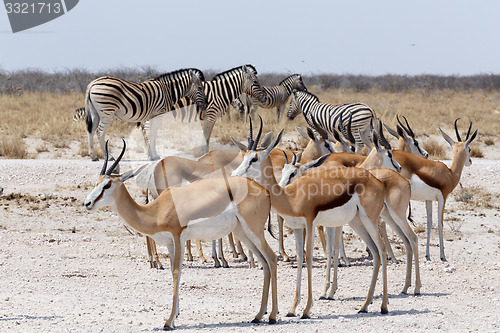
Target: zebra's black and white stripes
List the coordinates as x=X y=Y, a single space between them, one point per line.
x=328 y=116
x=138 y=102
x=276 y=96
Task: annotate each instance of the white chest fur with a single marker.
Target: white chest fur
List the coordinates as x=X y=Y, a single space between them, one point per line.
x=420 y=191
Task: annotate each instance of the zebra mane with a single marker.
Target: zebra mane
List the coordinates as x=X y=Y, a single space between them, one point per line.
x=177 y=72
x=288 y=78
x=229 y=72
x=309 y=95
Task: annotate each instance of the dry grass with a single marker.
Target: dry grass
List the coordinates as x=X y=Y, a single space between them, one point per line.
x=475 y=197
x=436 y=150
x=49 y=116
x=489 y=141
x=476 y=151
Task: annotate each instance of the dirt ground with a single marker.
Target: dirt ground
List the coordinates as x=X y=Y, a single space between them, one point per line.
x=66 y=269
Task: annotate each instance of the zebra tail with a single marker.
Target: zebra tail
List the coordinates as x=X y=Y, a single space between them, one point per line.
x=88 y=120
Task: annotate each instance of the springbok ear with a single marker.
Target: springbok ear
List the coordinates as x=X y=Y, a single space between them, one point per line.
x=402 y=133
x=447 y=137
x=132 y=173
x=266 y=140
x=301 y=132
x=392 y=132
x=311 y=135
x=273 y=144
x=375 y=139
x=298 y=158
x=316 y=163
x=472 y=137
x=365 y=137
x=240 y=145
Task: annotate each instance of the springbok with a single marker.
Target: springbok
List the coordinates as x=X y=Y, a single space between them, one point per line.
x=180 y=213
x=351 y=196
x=434 y=181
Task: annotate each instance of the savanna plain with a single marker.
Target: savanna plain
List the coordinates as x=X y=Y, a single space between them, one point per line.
x=64 y=269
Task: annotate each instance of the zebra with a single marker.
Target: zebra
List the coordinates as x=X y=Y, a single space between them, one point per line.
x=138 y=102
x=276 y=96
x=328 y=116
x=222 y=90
x=79 y=114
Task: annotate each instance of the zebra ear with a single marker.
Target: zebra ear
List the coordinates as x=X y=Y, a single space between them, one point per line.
x=302 y=133
x=240 y=145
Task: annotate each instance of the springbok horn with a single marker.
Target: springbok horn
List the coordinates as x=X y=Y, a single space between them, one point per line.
x=402 y=126
x=320 y=130
x=350 y=137
x=294 y=159
x=456 y=131
x=250 y=137
x=382 y=137
x=257 y=138
x=110 y=170
x=410 y=131
x=286 y=157
x=103 y=170
x=468 y=131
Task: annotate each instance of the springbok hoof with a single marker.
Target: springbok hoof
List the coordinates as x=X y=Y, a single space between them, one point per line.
x=255 y=321
x=168 y=328
x=272 y=321
x=322 y=298
x=362 y=311
x=305 y=317
x=384 y=311
x=290 y=314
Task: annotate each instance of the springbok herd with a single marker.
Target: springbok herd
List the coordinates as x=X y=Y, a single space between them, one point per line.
x=325 y=186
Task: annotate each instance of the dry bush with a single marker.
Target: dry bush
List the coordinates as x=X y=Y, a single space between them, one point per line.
x=435 y=149
x=489 y=141
x=475 y=197
x=13 y=147
x=476 y=151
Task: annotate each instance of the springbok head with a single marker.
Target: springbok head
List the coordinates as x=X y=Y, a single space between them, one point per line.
x=461 y=148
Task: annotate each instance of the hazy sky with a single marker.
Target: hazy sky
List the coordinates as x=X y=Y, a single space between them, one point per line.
x=360 y=37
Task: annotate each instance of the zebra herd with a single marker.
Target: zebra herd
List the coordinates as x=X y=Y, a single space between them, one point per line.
x=186 y=93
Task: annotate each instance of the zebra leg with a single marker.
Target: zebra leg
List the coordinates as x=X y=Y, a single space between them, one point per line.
x=153 y=130
x=101 y=133
x=208 y=126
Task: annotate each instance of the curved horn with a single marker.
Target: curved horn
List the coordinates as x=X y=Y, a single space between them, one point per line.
x=286 y=157
x=403 y=126
x=103 y=170
x=456 y=131
x=257 y=138
x=250 y=137
x=409 y=131
x=320 y=130
x=294 y=159
x=468 y=131
x=112 y=167
x=382 y=137
x=349 y=136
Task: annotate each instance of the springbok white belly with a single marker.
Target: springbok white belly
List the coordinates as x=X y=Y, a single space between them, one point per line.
x=334 y=217
x=420 y=191
x=213 y=227
x=338 y=216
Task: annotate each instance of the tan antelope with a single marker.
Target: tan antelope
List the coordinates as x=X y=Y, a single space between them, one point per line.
x=353 y=196
x=396 y=201
x=405 y=143
x=181 y=213
x=434 y=181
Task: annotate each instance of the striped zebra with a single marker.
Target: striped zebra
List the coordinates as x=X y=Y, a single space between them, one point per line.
x=276 y=96
x=79 y=114
x=328 y=116
x=138 y=102
x=222 y=90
